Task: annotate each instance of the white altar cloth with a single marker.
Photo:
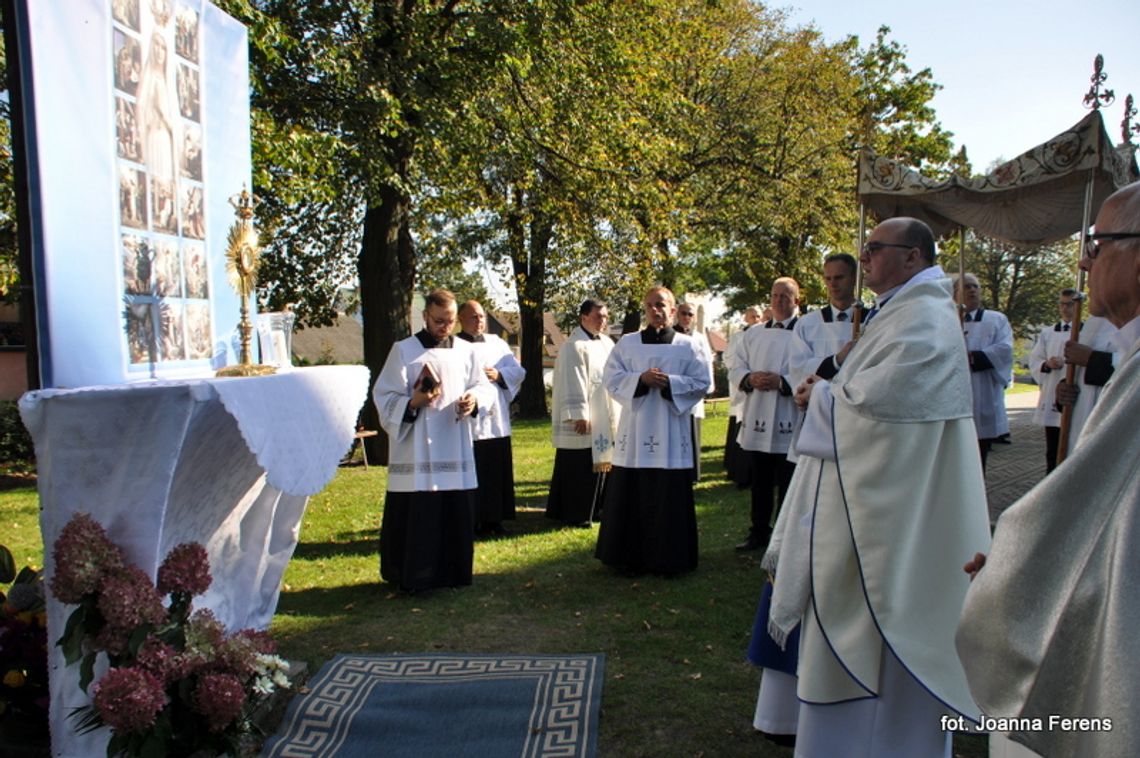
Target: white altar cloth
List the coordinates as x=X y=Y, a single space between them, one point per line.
x=229 y=463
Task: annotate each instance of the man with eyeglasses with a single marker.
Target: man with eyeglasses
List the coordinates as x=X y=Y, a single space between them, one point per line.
x=1048 y=629
x=686 y=324
x=989 y=340
x=887 y=497
x=430 y=383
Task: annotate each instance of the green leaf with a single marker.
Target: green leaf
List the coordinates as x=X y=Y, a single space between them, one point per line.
x=87 y=670
x=72 y=639
x=7 y=565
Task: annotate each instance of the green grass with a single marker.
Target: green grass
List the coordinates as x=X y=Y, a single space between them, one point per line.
x=676 y=681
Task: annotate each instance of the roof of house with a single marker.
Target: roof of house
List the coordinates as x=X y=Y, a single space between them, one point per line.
x=343 y=342
x=716 y=341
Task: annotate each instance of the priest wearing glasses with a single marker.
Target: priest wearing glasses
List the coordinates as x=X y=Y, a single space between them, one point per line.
x=887 y=496
x=1048 y=633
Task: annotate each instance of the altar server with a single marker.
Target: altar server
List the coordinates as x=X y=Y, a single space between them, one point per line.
x=495 y=502
x=1048 y=632
x=871 y=530
x=737 y=463
x=1095 y=355
x=657 y=376
x=686 y=324
x=583 y=420
x=762 y=373
x=429 y=384
x=1046 y=366
x=822 y=338
x=989 y=341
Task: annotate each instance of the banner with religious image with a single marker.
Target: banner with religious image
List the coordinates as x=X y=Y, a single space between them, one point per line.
x=137 y=125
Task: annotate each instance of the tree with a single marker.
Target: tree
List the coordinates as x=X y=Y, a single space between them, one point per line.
x=1022 y=282
x=366 y=82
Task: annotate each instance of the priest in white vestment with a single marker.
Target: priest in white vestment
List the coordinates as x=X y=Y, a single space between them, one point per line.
x=887 y=499
x=657 y=376
x=989 y=340
x=583 y=420
x=494 y=466
x=1048 y=632
x=429 y=384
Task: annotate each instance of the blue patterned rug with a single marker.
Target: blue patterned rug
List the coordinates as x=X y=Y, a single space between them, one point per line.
x=484 y=706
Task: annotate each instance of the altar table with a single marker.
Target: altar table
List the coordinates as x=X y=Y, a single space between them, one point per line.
x=229 y=463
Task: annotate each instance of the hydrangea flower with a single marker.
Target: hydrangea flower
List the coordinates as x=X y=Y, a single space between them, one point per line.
x=83 y=555
x=220 y=698
x=127 y=599
x=128 y=699
x=186 y=569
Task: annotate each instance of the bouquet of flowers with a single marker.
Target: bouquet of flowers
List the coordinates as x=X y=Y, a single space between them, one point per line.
x=177 y=682
x=23 y=645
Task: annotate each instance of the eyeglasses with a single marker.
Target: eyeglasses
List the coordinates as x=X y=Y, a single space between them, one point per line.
x=871 y=248
x=1093 y=250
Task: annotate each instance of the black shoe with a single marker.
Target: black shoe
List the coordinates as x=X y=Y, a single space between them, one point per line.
x=1003 y=440
x=785 y=740
x=584 y=525
x=749 y=544
x=497 y=529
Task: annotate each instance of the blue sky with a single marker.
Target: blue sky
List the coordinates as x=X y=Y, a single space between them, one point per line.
x=1013 y=72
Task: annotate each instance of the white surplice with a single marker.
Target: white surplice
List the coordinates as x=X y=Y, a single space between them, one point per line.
x=579 y=395
x=768 y=418
x=815 y=340
x=993 y=337
x=434 y=451
x=653 y=431
x=1050 y=343
x=493 y=420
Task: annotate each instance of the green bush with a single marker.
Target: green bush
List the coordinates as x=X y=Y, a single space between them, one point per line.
x=15 y=443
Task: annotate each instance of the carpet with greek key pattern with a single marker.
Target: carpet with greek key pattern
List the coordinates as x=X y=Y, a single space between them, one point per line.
x=484 y=706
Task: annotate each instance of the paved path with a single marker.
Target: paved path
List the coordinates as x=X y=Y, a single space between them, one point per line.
x=1011 y=470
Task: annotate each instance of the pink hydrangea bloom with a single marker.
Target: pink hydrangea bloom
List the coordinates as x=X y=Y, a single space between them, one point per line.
x=204 y=634
x=127 y=599
x=186 y=569
x=83 y=555
x=128 y=699
x=220 y=698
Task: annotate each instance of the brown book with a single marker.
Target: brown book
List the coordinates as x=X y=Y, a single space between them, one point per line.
x=428 y=379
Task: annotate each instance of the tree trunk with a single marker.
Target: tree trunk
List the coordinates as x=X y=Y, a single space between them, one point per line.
x=632 y=320
x=387 y=271
x=528 y=258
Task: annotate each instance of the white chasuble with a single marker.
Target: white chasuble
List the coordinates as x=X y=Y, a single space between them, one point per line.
x=1049 y=624
x=432 y=451
x=897 y=511
x=494 y=419
x=993 y=337
x=654 y=431
x=768 y=418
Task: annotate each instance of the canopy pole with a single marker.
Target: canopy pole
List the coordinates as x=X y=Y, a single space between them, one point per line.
x=857 y=310
x=1075 y=331
x=961 y=274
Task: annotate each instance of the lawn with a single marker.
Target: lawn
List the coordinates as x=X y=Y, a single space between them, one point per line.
x=676 y=682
